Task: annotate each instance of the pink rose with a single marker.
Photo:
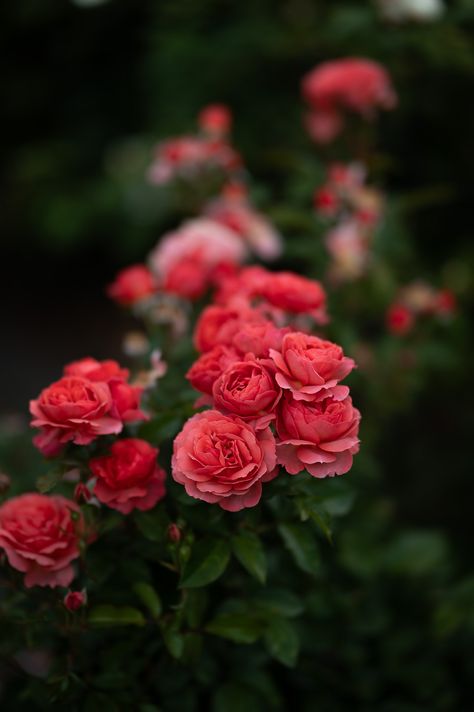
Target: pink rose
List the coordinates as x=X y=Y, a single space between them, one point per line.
x=131 y=285
x=215 y=119
x=259 y=338
x=293 y=293
x=248 y=389
x=320 y=437
x=311 y=367
x=129 y=478
x=218 y=325
x=220 y=459
x=73 y=409
x=40 y=537
x=206 y=370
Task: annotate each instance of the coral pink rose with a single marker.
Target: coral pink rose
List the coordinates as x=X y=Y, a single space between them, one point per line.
x=320 y=437
x=360 y=85
x=73 y=409
x=218 y=325
x=220 y=459
x=248 y=389
x=125 y=398
x=40 y=536
x=206 y=370
x=130 y=477
x=189 y=278
x=131 y=285
x=400 y=320
x=258 y=339
x=311 y=367
x=292 y=293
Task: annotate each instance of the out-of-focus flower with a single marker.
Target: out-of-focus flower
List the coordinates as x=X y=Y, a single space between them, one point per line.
x=135 y=343
x=129 y=477
x=219 y=325
x=400 y=319
x=222 y=460
x=359 y=85
x=348 y=245
x=215 y=120
x=5 y=482
x=414 y=10
x=158 y=368
x=131 y=285
x=40 y=536
x=234 y=210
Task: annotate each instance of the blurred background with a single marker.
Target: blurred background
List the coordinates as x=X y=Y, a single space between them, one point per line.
x=90 y=86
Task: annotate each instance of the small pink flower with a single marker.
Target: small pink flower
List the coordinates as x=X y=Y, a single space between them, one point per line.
x=174 y=533
x=132 y=285
x=400 y=320
x=130 y=477
x=310 y=367
x=40 y=536
x=222 y=460
x=215 y=120
x=74 y=600
x=320 y=437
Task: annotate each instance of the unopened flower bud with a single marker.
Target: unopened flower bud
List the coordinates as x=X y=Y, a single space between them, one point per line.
x=73 y=600
x=174 y=533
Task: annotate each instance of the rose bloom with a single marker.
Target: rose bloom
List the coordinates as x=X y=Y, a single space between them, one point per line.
x=292 y=293
x=360 y=85
x=207 y=368
x=130 y=477
x=400 y=320
x=259 y=338
x=248 y=389
x=215 y=119
x=218 y=325
x=222 y=460
x=41 y=538
x=320 y=437
x=323 y=126
x=132 y=285
x=188 y=156
x=348 y=245
x=73 y=409
x=311 y=367
x=242 y=287
x=125 y=398
x=185 y=260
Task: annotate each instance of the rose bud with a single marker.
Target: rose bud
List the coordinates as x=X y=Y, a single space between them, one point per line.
x=400 y=320
x=222 y=460
x=132 y=285
x=5 y=483
x=174 y=533
x=82 y=492
x=73 y=600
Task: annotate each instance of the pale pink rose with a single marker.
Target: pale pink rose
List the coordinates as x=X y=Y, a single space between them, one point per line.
x=248 y=390
x=129 y=477
x=41 y=538
x=310 y=367
x=348 y=245
x=73 y=409
x=222 y=460
x=320 y=437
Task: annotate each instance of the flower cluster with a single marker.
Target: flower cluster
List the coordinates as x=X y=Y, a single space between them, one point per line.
x=355 y=210
x=274 y=394
x=332 y=89
x=418 y=300
x=188 y=157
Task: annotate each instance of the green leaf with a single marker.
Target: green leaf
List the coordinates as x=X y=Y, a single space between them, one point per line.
x=278 y=601
x=312 y=508
x=300 y=541
x=282 y=641
x=208 y=561
x=238 y=627
x=173 y=638
x=148 y=597
x=194 y=606
x=233 y=697
x=107 y=615
x=154 y=524
x=248 y=549
x=47 y=482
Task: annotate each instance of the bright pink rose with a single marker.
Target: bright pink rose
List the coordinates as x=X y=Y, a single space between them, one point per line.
x=215 y=119
x=311 y=367
x=131 y=285
x=188 y=278
x=40 y=537
x=243 y=287
x=206 y=370
x=218 y=325
x=73 y=409
x=248 y=389
x=130 y=477
x=220 y=459
x=360 y=85
x=125 y=398
x=293 y=293
x=320 y=437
